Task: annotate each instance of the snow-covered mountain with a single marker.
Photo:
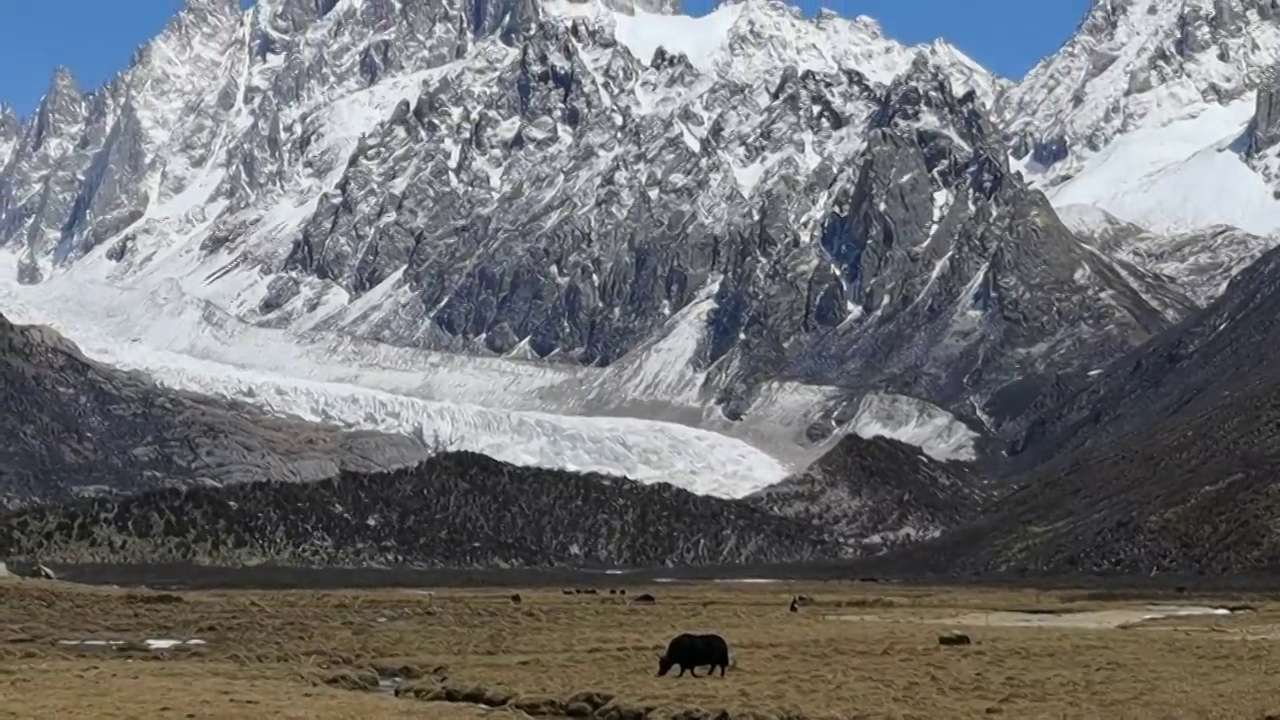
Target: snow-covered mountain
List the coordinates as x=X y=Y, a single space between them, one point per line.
x=1148 y=113
x=590 y=235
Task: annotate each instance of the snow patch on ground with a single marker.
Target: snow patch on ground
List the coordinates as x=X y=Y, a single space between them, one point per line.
x=1091 y=620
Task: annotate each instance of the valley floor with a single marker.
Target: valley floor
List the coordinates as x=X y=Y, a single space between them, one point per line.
x=857 y=650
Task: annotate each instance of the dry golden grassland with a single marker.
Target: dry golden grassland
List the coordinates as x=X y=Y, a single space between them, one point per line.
x=295 y=654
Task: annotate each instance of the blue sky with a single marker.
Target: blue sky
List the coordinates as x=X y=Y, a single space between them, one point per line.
x=96 y=38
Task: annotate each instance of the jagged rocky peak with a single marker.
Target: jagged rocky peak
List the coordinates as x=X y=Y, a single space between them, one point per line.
x=211 y=9
x=10 y=123
x=10 y=129
x=61 y=107
x=1100 y=83
x=927 y=87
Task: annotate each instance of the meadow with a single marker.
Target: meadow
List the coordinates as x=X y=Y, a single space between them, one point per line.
x=853 y=650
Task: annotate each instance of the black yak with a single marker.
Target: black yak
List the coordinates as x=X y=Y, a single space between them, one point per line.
x=691 y=651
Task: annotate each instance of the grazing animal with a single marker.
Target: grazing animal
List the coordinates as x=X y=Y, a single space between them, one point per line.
x=645 y=599
x=515 y=598
x=795 y=605
x=692 y=651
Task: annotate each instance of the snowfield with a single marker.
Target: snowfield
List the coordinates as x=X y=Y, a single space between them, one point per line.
x=1178 y=176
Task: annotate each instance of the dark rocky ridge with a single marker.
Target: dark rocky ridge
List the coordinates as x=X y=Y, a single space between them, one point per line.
x=456 y=510
x=1165 y=462
x=70 y=424
x=1193 y=368
x=878 y=493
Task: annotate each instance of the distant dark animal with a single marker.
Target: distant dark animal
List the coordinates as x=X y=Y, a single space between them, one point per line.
x=692 y=651
x=567 y=591
x=515 y=598
x=954 y=638
x=613 y=591
x=623 y=591
x=645 y=599
x=795 y=605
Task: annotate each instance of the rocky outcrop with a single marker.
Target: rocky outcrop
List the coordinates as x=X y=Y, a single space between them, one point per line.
x=877 y=494
x=456 y=510
x=1264 y=130
x=74 y=426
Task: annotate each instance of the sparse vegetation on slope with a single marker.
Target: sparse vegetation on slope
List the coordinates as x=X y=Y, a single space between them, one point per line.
x=1195 y=494
x=877 y=493
x=455 y=510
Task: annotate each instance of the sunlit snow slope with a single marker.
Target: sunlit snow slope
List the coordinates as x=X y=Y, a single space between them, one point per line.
x=1145 y=113
x=1186 y=174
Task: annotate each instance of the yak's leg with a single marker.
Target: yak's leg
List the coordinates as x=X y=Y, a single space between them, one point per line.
x=693 y=671
x=682 y=669
x=722 y=667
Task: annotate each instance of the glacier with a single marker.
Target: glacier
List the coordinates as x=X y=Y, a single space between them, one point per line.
x=516 y=411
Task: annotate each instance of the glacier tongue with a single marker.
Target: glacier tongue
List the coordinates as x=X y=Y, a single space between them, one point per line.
x=186 y=343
